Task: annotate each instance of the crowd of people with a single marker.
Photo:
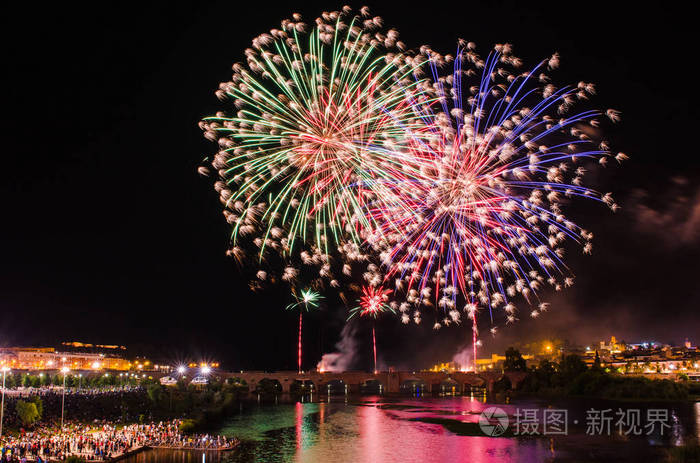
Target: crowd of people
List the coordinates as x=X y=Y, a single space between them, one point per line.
x=82 y=391
x=103 y=442
x=125 y=405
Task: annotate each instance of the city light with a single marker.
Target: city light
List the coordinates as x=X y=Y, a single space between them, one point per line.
x=206 y=370
x=65 y=371
x=181 y=369
x=2 y=404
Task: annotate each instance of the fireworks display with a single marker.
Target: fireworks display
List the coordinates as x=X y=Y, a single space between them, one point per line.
x=314 y=109
x=500 y=152
x=308 y=300
x=372 y=303
x=443 y=177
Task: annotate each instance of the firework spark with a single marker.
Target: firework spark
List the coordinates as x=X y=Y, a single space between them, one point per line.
x=499 y=154
x=342 y=153
x=316 y=111
x=308 y=300
x=372 y=303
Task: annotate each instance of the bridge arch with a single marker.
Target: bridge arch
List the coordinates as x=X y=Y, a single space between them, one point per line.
x=302 y=386
x=268 y=386
x=334 y=386
x=449 y=386
x=372 y=386
x=414 y=386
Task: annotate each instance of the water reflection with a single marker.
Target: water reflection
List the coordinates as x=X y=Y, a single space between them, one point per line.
x=377 y=429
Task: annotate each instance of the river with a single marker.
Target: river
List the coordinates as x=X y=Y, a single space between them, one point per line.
x=444 y=429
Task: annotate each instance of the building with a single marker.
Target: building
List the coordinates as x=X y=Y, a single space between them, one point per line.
x=47 y=358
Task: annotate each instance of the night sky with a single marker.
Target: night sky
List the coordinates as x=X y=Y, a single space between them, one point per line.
x=109 y=235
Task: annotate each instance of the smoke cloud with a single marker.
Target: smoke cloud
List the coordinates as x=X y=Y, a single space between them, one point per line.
x=344 y=358
x=463 y=358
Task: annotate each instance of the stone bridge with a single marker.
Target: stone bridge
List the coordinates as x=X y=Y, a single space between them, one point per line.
x=391 y=381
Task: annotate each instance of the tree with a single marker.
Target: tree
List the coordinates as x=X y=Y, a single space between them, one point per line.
x=154 y=392
x=571 y=366
x=39 y=404
x=514 y=361
x=502 y=385
x=10 y=381
x=26 y=412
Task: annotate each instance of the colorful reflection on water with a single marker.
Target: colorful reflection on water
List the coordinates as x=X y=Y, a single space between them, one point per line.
x=376 y=429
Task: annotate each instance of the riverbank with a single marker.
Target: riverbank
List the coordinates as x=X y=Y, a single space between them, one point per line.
x=106 y=442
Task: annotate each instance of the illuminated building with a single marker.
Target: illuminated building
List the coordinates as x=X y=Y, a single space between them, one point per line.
x=447 y=366
x=482 y=364
x=47 y=358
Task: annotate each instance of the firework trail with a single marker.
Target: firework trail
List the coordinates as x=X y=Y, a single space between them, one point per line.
x=372 y=303
x=308 y=300
x=499 y=153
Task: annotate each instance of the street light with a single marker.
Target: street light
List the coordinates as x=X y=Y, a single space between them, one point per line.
x=206 y=370
x=181 y=369
x=64 y=370
x=2 y=406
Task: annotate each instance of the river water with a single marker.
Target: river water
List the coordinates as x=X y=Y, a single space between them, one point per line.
x=377 y=429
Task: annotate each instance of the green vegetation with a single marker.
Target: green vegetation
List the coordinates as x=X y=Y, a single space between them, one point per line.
x=95 y=380
x=514 y=361
x=39 y=404
x=571 y=377
x=187 y=426
x=200 y=406
x=27 y=412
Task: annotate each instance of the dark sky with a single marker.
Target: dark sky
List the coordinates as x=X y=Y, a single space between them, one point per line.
x=109 y=235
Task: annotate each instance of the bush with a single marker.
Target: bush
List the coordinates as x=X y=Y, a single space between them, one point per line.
x=502 y=385
x=514 y=361
x=39 y=404
x=155 y=392
x=187 y=426
x=27 y=412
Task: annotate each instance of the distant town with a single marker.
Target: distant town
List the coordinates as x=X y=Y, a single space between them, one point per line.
x=651 y=359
